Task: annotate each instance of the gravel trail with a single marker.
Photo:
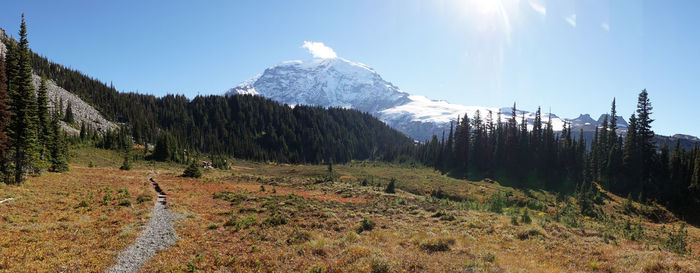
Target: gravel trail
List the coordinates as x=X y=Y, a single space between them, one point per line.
x=158 y=234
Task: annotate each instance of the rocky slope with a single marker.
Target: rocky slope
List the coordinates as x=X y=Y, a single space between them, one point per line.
x=57 y=96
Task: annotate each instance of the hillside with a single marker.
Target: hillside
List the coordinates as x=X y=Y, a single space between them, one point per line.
x=60 y=98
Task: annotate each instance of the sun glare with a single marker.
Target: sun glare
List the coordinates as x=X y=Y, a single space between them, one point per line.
x=486 y=6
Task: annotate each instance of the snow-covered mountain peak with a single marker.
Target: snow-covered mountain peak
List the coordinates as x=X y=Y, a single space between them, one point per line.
x=327 y=82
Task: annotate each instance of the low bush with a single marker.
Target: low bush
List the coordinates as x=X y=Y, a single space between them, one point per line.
x=144 y=198
x=677 y=240
x=437 y=244
x=496 y=203
x=365 y=225
x=274 y=220
x=192 y=171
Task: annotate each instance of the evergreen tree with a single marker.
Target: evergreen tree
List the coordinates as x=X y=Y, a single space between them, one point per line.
x=192 y=171
x=22 y=127
x=126 y=164
x=612 y=138
x=83 y=131
x=645 y=137
x=69 y=114
x=43 y=129
x=4 y=119
x=695 y=179
x=57 y=147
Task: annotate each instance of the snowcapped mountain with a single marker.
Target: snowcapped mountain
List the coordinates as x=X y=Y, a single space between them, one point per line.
x=333 y=82
x=337 y=82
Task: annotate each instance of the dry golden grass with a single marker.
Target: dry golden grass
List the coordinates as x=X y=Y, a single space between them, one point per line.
x=411 y=233
x=62 y=221
x=262 y=217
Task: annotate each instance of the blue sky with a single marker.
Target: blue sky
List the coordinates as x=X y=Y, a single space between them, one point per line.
x=572 y=56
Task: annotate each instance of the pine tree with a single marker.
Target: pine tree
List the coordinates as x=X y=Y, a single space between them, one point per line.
x=57 y=147
x=43 y=130
x=192 y=171
x=612 y=138
x=645 y=137
x=83 y=131
x=695 y=179
x=22 y=128
x=4 y=119
x=69 y=113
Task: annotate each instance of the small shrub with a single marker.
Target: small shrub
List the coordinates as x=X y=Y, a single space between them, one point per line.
x=496 y=203
x=298 y=237
x=231 y=222
x=213 y=226
x=262 y=188
x=525 y=218
x=124 y=202
x=391 y=187
x=126 y=165
x=488 y=257
x=317 y=269
x=248 y=221
x=192 y=171
x=364 y=182
x=82 y=204
x=365 y=225
x=90 y=164
x=144 y=198
x=274 y=220
x=514 y=220
x=677 y=241
x=437 y=245
x=635 y=232
x=379 y=265
x=529 y=233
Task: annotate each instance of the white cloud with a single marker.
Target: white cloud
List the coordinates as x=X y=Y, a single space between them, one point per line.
x=605 y=26
x=319 y=50
x=538 y=7
x=571 y=19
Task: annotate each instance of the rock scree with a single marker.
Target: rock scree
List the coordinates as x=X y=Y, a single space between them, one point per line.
x=158 y=234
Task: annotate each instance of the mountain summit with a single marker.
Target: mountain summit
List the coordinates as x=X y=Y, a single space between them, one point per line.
x=329 y=82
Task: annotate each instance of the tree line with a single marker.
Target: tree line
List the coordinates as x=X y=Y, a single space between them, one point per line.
x=632 y=164
x=31 y=139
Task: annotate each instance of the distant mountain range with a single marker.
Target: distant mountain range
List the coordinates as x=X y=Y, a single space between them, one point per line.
x=337 y=82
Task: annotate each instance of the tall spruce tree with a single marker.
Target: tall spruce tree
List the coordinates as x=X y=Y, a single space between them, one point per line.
x=695 y=179
x=22 y=127
x=69 y=118
x=645 y=136
x=4 y=119
x=43 y=127
x=57 y=146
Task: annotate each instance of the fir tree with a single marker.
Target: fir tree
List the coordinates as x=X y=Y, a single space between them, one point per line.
x=57 y=147
x=695 y=179
x=192 y=171
x=69 y=114
x=43 y=129
x=391 y=187
x=22 y=127
x=4 y=119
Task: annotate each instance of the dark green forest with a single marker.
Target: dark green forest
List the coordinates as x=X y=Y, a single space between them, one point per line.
x=630 y=165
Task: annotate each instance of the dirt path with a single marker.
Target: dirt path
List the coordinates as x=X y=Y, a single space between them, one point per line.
x=158 y=234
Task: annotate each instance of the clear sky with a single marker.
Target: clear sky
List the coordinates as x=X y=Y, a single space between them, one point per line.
x=572 y=56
